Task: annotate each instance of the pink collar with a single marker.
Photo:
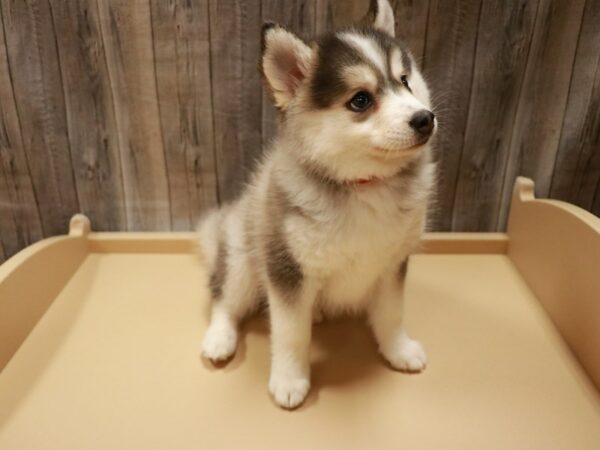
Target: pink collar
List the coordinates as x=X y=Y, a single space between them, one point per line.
x=363 y=181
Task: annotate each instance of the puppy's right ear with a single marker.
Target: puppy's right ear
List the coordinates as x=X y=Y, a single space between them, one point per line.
x=285 y=62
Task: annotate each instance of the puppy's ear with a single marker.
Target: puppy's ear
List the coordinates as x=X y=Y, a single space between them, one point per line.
x=381 y=16
x=285 y=62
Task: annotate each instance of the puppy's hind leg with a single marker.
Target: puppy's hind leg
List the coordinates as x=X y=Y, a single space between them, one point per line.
x=234 y=295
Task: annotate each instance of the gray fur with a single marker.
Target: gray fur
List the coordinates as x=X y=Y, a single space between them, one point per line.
x=282 y=268
x=327 y=84
x=406 y=61
x=217 y=277
x=334 y=54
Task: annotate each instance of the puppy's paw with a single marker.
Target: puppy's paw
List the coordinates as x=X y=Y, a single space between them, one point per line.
x=219 y=343
x=289 y=393
x=408 y=356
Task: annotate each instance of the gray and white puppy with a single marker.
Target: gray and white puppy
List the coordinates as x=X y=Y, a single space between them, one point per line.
x=337 y=204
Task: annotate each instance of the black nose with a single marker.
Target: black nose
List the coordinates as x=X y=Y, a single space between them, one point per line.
x=422 y=122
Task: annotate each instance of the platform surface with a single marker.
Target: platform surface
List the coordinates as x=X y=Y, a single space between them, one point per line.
x=114 y=364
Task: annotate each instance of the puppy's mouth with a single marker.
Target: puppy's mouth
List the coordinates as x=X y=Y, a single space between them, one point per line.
x=390 y=151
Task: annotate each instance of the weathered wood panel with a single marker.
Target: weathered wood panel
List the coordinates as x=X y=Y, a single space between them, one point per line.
x=182 y=59
x=543 y=98
x=90 y=113
x=145 y=113
x=298 y=16
x=412 y=24
x=237 y=96
x=35 y=74
x=127 y=36
x=450 y=54
x=596 y=205
x=331 y=14
x=577 y=169
x=504 y=36
x=19 y=216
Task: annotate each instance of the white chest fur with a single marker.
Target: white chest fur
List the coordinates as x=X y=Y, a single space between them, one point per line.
x=350 y=245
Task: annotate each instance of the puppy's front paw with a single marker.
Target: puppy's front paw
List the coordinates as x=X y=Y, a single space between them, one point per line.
x=219 y=343
x=407 y=356
x=289 y=393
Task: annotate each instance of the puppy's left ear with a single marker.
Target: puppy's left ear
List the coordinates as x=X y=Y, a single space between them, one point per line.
x=381 y=16
x=285 y=62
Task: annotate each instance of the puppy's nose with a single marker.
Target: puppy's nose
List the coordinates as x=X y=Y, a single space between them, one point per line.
x=422 y=122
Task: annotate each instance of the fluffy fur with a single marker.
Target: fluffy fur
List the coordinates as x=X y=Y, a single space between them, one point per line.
x=336 y=206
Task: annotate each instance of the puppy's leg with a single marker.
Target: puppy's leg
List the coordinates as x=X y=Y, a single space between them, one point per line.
x=385 y=317
x=291 y=325
x=237 y=300
x=234 y=293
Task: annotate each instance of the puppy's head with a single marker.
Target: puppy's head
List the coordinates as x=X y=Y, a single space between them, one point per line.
x=354 y=99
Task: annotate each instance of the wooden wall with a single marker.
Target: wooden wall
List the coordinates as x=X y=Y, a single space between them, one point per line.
x=144 y=113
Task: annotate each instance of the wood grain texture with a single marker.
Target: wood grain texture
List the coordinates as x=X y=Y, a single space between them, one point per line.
x=577 y=170
x=331 y=14
x=145 y=113
x=127 y=36
x=19 y=216
x=412 y=24
x=36 y=79
x=90 y=114
x=450 y=55
x=237 y=95
x=182 y=59
x=536 y=130
x=298 y=16
x=596 y=206
x=504 y=36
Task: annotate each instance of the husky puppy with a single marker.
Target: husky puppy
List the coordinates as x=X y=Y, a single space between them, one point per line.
x=337 y=204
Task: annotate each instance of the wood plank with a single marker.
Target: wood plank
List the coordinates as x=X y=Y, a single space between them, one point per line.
x=332 y=14
x=14 y=235
x=504 y=36
x=90 y=114
x=536 y=131
x=127 y=36
x=182 y=58
x=19 y=215
x=38 y=93
x=297 y=16
x=412 y=24
x=237 y=106
x=596 y=205
x=449 y=59
x=577 y=170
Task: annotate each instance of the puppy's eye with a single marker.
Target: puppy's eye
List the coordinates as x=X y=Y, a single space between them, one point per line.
x=404 y=81
x=360 y=102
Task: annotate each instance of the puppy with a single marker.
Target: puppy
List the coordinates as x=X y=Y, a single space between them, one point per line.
x=337 y=204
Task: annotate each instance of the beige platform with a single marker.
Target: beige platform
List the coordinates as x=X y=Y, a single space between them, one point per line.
x=100 y=336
